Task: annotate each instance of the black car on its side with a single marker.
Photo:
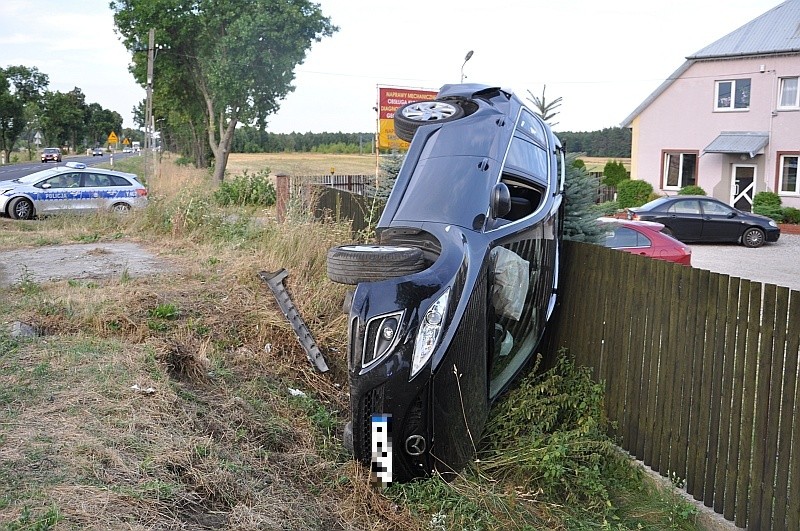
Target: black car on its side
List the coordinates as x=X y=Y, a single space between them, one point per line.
x=453 y=299
x=699 y=218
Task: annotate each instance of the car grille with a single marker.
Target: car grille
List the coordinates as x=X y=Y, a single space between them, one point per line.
x=371 y=402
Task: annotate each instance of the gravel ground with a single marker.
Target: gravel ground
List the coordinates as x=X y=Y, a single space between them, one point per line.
x=773 y=263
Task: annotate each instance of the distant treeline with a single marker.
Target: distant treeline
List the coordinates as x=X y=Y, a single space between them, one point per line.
x=252 y=140
x=609 y=142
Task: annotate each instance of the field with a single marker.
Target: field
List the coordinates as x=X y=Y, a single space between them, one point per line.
x=302 y=163
x=179 y=397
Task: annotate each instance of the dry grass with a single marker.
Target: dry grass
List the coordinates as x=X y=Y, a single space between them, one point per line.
x=302 y=163
x=163 y=402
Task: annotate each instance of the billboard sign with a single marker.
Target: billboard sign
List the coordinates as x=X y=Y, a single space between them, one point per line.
x=389 y=100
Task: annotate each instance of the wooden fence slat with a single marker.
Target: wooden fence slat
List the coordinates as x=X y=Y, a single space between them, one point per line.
x=652 y=446
x=670 y=359
x=748 y=403
x=793 y=509
x=788 y=413
x=764 y=391
x=686 y=354
x=647 y=312
x=730 y=316
x=696 y=435
x=736 y=403
x=636 y=381
x=715 y=349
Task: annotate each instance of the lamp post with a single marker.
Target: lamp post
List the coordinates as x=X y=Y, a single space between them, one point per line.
x=467 y=58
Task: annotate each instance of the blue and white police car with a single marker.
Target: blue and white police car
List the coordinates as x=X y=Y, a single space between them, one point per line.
x=73 y=188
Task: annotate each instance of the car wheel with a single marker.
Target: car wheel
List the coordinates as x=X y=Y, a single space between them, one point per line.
x=351 y=264
x=20 y=208
x=120 y=207
x=753 y=237
x=409 y=117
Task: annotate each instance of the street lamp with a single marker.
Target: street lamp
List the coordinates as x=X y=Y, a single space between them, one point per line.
x=467 y=58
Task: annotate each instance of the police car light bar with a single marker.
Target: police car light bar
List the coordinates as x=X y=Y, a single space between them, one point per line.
x=76 y=165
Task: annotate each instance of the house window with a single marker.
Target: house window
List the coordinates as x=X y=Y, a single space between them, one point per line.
x=680 y=169
x=733 y=95
x=789 y=95
x=788 y=176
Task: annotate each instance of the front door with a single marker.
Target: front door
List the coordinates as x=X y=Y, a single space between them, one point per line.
x=743 y=181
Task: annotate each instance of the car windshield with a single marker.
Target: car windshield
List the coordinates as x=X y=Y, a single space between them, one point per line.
x=654 y=204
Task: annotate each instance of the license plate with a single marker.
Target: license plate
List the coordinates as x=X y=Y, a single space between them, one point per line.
x=381 y=449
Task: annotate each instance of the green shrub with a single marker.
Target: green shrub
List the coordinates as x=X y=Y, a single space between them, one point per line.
x=633 y=193
x=692 y=190
x=578 y=163
x=791 y=215
x=607 y=209
x=247 y=189
x=183 y=161
x=771 y=211
x=766 y=199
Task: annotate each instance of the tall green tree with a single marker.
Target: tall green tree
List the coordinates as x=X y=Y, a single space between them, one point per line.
x=21 y=91
x=236 y=56
x=100 y=123
x=12 y=117
x=63 y=117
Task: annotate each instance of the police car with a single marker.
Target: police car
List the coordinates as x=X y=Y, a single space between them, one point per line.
x=74 y=188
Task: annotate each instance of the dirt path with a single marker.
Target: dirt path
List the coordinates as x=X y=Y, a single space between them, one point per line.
x=78 y=261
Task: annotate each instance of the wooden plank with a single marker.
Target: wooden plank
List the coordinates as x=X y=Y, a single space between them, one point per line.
x=653 y=446
x=618 y=339
x=680 y=444
x=793 y=352
x=731 y=477
x=729 y=315
x=696 y=435
x=763 y=392
x=669 y=358
x=748 y=403
x=648 y=309
x=664 y=372
x=636 y=381
x=677 y=354
x=788 y=414
x=716 y=350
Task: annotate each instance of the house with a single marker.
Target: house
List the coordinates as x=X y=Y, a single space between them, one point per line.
x=728 y=120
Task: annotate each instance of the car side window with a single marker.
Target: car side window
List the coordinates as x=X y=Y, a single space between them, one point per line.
x=57 y=181
x=625 y=237
x=71 y=180
x=116 y=180
x=685 y=207
x=531 y=126
x=711 y=207
x=529 y=157
x=96 y=179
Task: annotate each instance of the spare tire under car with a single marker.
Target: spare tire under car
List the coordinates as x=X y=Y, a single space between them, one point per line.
x=351 y=264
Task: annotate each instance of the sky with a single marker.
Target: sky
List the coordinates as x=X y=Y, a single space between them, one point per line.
x=603 y=58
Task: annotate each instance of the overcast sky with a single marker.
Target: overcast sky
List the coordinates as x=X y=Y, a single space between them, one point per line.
x=602 y=57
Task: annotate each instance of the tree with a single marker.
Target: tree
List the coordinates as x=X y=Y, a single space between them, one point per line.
x=613 y=173
x=12 y=117
x=580 y=214
x=63 y=117
x=21 y=90
x=543 y=108
x=100 y=123
x=235 y=57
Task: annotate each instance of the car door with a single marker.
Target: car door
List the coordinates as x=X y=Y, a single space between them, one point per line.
x=720 y=222
x=95 y=191
x=684 y=219
x=525 y=246
x=55 y=195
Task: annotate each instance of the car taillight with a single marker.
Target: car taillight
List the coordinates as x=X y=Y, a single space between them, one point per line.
x=141 y=192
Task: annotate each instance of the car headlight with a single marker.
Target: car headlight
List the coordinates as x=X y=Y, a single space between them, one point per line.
x=772 y=223
x=429 y=332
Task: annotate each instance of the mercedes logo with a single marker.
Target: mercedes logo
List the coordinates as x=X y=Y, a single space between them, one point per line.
x=415 y=445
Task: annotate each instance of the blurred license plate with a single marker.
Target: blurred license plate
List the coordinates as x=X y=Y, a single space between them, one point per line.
x=382 y=449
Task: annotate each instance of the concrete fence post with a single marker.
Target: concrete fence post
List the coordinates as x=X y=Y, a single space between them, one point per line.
x=282 y=196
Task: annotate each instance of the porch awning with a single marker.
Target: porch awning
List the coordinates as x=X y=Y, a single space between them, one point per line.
x=749 y=142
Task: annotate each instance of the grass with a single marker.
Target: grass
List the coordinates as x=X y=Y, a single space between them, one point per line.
x=163 y=401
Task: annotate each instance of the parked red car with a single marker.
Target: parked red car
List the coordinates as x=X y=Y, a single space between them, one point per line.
x=644 y=238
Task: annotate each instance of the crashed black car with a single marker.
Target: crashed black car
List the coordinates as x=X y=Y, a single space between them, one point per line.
x=453 y=299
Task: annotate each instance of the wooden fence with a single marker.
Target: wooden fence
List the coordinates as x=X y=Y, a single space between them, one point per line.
x=701 y=374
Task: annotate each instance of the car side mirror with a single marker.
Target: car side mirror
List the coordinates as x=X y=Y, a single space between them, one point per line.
x=501 y=201
x=47 y=185
x=731 y=215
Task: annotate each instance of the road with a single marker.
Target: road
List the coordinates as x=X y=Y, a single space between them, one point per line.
x=15 y=171
x=773 y=263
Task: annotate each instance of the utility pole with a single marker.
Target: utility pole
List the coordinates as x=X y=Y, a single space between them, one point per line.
x=148 y=107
